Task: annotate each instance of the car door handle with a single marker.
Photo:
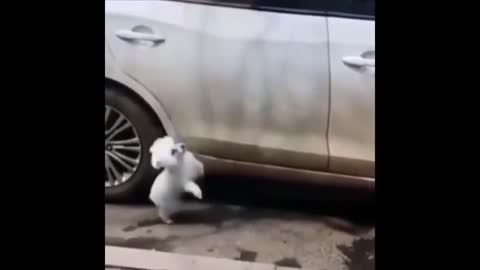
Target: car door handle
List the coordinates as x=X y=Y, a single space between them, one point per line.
x=358 y=61
x=131 y=36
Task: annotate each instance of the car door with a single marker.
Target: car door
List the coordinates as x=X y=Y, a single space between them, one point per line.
x=351 y=25
x=239 y=82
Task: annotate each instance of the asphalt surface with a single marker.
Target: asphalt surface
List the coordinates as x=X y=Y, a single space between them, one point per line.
x=295 y=225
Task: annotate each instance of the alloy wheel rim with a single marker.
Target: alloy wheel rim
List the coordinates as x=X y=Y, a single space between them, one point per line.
x=123 y=149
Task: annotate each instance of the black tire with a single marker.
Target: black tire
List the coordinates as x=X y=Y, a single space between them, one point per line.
x=148 y=129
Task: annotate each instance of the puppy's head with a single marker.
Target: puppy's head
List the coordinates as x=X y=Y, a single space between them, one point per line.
x=165 y=153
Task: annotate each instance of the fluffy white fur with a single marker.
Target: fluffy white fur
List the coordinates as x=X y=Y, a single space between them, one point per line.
x=180 y=170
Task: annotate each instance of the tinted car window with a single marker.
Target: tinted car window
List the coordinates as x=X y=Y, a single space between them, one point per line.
x=243 y=3
x=348 y=7
x=356 y=7
x=305 y=5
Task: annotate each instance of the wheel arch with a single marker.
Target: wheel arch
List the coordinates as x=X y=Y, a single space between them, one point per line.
x=144 y=97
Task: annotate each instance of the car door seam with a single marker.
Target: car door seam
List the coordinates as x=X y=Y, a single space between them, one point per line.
x=329 y=95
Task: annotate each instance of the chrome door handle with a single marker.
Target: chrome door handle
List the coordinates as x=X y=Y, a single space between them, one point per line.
x=132 y=36
x=358 y=61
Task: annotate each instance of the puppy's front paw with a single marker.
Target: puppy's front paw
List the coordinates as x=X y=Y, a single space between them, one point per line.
x=198 y=194
x=193 y=188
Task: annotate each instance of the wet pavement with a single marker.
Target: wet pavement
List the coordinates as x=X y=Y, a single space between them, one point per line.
x=292 y=225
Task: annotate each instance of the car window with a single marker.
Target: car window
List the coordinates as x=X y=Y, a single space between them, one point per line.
x=333 y=7
x=301 y=5
x=242 y=3
x=354 y=7
x=340 y=8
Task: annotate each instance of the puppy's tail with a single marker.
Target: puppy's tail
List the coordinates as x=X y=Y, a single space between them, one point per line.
x=194 y=189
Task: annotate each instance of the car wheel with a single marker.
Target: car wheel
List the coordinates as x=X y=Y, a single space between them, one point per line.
x=130 y=129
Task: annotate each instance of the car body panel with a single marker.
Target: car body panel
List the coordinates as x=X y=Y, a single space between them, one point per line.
x=113 y=73
x=253 y=91
x=233 y=89
x=351 y=134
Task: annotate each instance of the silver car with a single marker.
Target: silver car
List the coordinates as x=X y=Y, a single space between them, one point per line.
x=283 y=89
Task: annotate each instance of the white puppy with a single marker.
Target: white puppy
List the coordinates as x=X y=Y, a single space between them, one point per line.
x=180 y=170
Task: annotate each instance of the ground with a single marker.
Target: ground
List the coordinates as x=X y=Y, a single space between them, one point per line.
x=295 y=225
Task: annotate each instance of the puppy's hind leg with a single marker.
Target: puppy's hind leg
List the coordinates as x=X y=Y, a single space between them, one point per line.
x=164 y=214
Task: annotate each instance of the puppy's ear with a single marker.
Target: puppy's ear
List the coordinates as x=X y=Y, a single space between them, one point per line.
x=159 y=142
x=154 y=144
